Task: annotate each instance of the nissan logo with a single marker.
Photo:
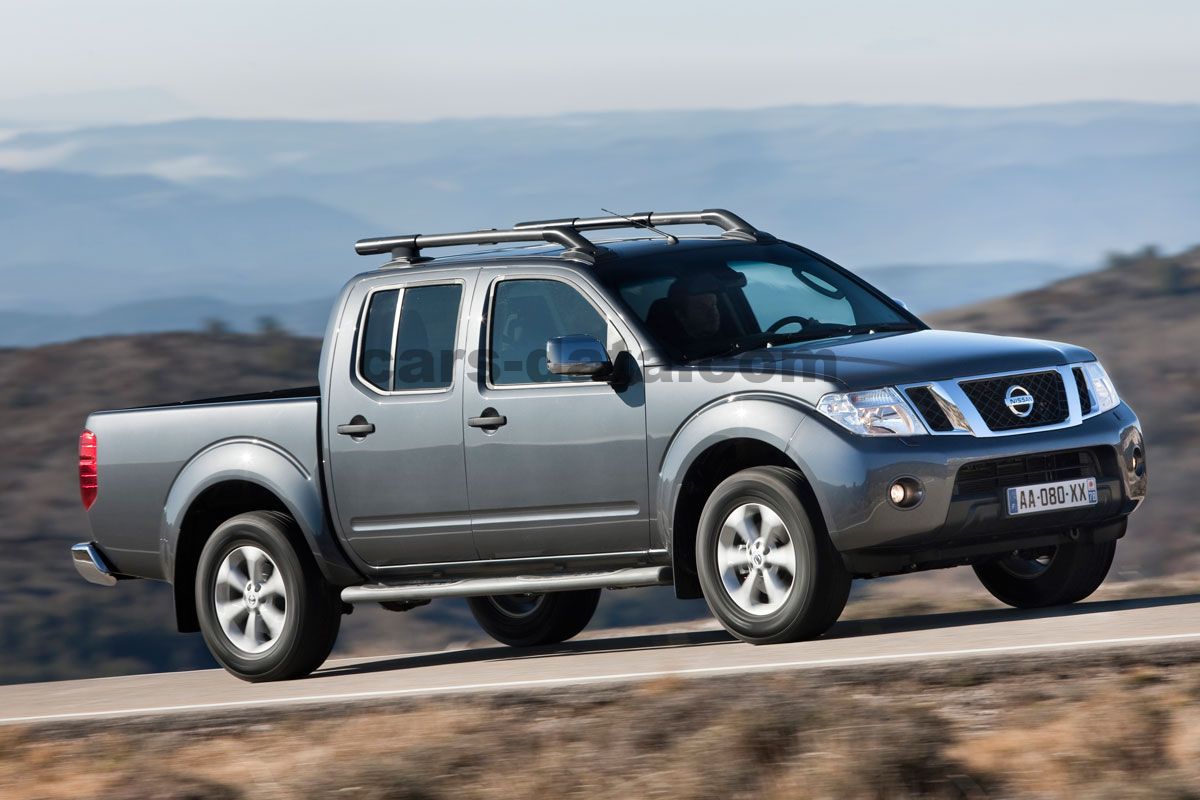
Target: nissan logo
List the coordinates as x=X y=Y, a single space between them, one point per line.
x=1019 y=400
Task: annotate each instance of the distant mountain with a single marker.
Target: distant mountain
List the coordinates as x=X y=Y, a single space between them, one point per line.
x=73 y=243
x=922 y=288
x=25 y=329
x=932 y=287
x=867 y=185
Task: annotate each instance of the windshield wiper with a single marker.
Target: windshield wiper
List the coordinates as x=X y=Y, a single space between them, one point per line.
x=831 y=330
x=724 y=352
x=822 y=331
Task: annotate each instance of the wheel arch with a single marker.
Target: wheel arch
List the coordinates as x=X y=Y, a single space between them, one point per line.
x=232 y=478
x=736 y=433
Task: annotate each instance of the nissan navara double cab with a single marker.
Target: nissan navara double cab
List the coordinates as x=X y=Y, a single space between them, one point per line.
x=526 y=424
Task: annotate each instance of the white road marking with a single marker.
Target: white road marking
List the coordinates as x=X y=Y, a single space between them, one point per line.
x=589 y=679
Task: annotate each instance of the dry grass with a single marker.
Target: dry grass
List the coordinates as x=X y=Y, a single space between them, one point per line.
x=1094 y=725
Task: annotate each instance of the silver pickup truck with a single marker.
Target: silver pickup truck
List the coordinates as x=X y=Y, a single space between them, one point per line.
x=527 y=424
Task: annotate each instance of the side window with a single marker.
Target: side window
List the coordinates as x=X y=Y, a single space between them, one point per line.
x=526 y=313
x=425 y=337
x=423 y=334
x=375 y=352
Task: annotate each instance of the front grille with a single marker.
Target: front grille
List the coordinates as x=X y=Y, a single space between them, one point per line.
x=1085 y=397
x=922 y=397
x=986 y=477
x=1047 y=389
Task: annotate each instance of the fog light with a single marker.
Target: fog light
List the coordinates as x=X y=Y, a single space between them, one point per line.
x=906 y=492
x=1137 y=461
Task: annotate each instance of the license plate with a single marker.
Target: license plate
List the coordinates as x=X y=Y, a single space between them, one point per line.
x=1051 y=496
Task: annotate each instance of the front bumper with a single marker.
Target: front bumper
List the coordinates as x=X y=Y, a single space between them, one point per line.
x=91 y=565
x=850 y=476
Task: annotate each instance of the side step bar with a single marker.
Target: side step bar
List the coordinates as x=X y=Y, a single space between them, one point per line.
x=529 y=584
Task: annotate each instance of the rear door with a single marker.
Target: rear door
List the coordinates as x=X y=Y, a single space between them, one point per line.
x=394 y=422
x=565 y=474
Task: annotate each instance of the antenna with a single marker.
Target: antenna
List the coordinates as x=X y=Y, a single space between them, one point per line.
x=638 y=224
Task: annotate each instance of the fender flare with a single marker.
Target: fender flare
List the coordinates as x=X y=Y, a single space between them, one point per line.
x=274 y=469
x=769 y=418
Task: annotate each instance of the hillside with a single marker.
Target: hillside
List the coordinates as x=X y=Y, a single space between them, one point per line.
x=1140 y=316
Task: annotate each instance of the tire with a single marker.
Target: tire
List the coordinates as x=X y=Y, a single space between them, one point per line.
x=297 y=634
x=742 y=552
x=1052 y=576
x=532 y=619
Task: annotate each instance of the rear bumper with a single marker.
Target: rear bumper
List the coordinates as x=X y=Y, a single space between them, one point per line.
x=953 y=526
x=91 y=564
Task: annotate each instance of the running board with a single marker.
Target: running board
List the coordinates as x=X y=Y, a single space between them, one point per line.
x=528 y=584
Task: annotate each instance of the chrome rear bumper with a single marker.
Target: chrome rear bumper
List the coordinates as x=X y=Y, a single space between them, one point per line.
x=90 y=564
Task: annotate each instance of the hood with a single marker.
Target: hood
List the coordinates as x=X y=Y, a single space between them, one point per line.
x=865 y=362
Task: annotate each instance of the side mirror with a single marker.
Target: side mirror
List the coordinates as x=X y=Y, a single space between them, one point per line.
x=578 y=355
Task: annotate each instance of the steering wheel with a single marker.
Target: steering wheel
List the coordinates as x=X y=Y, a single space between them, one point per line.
x=803 y=322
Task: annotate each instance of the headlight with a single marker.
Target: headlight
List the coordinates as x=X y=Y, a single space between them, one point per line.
x=1103 y=390
x=877 y=412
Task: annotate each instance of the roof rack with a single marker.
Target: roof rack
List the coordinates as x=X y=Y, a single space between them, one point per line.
x=408 y=248
x=564 y=232
x=734 y=226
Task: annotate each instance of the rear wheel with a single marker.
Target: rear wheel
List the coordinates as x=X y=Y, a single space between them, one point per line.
x=525 y=620
x=768 y=574
x=1048 y=576
x=265 y=610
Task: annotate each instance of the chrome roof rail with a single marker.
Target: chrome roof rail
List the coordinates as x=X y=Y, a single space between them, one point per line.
x=407 y=249
x=733 y=226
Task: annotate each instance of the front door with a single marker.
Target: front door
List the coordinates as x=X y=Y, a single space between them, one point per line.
x=565 y=474
x=396 y=465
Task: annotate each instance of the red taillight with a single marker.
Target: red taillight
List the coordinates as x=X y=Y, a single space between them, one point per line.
x=88 y=478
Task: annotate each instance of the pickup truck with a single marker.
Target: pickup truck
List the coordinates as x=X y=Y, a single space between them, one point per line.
x=527 y=424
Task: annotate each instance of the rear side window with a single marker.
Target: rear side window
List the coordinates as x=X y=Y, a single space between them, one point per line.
x=411 y=347
x=425 y=337
x=375 y=354
x=526 y=313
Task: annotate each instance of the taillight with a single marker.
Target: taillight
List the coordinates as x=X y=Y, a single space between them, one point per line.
x=88 y=478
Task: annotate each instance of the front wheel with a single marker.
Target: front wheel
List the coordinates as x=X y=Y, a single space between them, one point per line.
x=265 y=610
x=768 y=573
x=525 y=620
x=1049 y=576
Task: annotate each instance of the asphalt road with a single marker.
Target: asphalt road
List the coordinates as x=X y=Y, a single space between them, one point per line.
x=993 y=634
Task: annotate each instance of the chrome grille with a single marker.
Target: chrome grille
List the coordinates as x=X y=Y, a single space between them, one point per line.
x=1047 y=389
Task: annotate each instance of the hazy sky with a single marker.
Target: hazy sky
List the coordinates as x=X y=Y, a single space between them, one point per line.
x=373 y=59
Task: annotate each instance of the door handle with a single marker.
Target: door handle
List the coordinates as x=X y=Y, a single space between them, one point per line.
x=358 y=426
x=490 y=418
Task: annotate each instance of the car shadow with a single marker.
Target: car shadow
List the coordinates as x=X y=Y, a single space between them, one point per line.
x=658 y=641
x=846 y=629
x=872 y=627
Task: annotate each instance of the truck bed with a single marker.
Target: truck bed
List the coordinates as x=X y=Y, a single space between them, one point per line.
x=143 y=452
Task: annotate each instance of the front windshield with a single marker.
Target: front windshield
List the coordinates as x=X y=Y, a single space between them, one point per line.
x=716 y=301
